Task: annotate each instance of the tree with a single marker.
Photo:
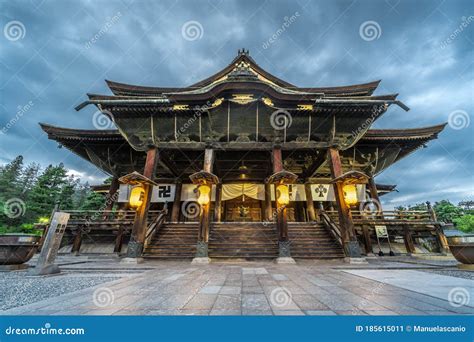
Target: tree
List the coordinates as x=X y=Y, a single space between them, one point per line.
x=446 y=211
x=465 y=223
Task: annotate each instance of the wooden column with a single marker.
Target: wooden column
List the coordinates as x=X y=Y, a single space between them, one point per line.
x=268 y=203
x=374 y=194
x=110 y=198
x=367 y=240
x=118 y=240
x=408 y=239
x=77 y=242
x=309 y=202
x=204 y=219
x=218 y=203
x=351 y=246
x=137 y=239
x=175 y=211
x=442 y=241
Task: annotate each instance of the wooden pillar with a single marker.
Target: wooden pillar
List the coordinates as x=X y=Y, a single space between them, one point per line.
x=309 y=202
x=137 y=239
x=268 y=203
x=218 y=203
x=204 y=219
x=367 y=240
x=77 y=242
x=442 y=241
x=110 y=198
x=408 y=239
x=351 y=246
x=119 y=240
x=175 y=211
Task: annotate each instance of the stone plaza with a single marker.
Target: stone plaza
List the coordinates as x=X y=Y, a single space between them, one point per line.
x=101 y=285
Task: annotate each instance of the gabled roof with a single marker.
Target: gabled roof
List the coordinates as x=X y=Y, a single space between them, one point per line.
x=242 y=67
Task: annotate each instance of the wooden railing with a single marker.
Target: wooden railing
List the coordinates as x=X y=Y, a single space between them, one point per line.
x=386 y=217
x=100 y=218
x=156 y=223
x=332 y=226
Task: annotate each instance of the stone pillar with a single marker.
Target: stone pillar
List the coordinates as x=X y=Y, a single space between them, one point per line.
x=137 y=238
x=218 y=203
x=175 y=211
x=309 y=202
x=349 y=239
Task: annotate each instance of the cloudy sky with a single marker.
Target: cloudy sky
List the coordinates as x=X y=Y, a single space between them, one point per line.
x=54 y=52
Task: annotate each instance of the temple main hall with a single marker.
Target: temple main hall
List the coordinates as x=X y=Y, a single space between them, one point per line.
x=245 y=165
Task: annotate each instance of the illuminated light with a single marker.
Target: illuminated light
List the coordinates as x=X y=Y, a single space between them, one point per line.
x=136 y=196
x=267 y=101
x=283 y=195
x=304 y=107
x=204 y=194
x=350 y=194
x=180 y=107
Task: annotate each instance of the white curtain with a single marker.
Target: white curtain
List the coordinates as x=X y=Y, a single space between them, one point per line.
x=255 y=191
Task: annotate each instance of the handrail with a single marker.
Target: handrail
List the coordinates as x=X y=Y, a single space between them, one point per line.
x=331 y=226
x=156 y=224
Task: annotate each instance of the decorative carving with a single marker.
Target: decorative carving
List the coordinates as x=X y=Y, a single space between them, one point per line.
x=243 y=137
x=304 y=107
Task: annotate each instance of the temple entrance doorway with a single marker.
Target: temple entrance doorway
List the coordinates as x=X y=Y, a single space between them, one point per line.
x=243 y=209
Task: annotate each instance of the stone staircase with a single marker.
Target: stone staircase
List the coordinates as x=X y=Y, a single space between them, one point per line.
x=173 y=241
x=243 y=240
x=247 y=240
x=312 y=241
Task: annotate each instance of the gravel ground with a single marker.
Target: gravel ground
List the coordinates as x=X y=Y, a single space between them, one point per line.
x=17 y=288
x=453 y=273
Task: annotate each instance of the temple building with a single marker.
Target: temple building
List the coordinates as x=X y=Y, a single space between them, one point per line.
x=246 y=165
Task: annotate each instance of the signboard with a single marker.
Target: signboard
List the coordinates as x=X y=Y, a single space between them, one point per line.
x=163 y=193
x=322 y=192
x=381 y=231
x=49 y=250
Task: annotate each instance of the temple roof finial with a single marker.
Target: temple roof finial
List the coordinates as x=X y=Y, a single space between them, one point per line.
x=243 y=52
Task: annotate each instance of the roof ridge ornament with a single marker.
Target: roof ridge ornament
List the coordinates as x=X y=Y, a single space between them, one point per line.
x=243 y=52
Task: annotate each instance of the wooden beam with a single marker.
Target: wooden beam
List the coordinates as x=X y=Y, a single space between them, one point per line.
x=168 y=164
x=208 y=160
x=268 y=203
x=311 y=170
x=277 y=160
x=408 y=239
x=367 y=240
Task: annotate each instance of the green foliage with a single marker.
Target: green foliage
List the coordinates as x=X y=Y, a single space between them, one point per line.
x=35 y=193
x=446 y=211
x=465 y=223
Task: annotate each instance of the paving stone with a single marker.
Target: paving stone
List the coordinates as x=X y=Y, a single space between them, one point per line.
x=228 y=302
x=228 y=290
x=220 y=312
x=210 y=289
x=320 y=313
x=201 y=302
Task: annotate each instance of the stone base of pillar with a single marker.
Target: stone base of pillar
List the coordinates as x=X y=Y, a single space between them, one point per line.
x=201 y=249
x=284 y=250
x=352 y=249
x=44 y=270
x=128 y=260
x=13 y=267
x=285 y=260
x=356 y=261
x=134 y=249
x=201 y=261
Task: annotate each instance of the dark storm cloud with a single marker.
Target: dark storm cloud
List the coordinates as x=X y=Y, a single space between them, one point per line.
x=423 y=52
